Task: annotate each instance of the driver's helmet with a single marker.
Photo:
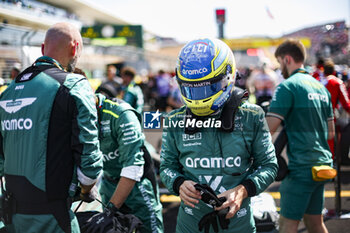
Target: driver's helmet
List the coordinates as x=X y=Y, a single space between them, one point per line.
x=206 y=73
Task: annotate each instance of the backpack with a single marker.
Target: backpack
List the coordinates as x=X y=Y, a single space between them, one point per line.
x=122 y=223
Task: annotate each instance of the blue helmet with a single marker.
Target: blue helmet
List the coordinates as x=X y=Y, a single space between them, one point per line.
x=206 y=75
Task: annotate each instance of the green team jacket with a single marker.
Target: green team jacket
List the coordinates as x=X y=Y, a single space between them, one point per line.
x=121 y=143
x=221 y=160
x=35 y=133
x=48 y=140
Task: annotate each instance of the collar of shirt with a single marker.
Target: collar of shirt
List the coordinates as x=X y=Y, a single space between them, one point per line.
x=300 y=70
x=46 y=59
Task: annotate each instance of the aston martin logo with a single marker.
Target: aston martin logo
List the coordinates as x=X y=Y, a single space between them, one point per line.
x=12 y=106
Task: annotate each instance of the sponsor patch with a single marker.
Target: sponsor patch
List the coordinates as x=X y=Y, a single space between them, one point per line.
x=12 y=106
x=241 y=213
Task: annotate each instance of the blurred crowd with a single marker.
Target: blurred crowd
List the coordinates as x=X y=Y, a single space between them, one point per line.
x=160 y=91
x=152 y=92
x=38 y=8
x=262 y=81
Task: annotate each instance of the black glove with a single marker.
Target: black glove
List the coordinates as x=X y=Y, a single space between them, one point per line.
x=209 y=196
x=90 y=196
x=210 y=220
x=223 y=221
x=206 y=221
x=101 y=222
x=86 y=197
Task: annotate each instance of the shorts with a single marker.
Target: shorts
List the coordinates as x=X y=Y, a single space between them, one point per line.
x=301 y=197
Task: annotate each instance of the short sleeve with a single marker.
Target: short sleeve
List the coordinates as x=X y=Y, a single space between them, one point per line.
x=282 y=102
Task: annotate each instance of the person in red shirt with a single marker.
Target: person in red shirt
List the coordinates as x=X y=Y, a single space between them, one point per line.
x=318 y=74
x=338 y=92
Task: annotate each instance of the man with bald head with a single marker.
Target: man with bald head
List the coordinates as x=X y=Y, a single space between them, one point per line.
x=48 y=138
x=63 y=42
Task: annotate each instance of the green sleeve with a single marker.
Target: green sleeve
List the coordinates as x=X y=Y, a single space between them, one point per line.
x=264 y=158
x=126 y=130
x=139 y=101
x=134 y=97
x=130 y=98
x=282 y=102
x=90 y=165
x=170 y=167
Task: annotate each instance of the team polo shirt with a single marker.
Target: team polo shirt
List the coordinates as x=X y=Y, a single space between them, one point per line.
x=304 y=105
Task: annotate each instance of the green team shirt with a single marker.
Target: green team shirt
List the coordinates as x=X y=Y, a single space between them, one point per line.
x=304 y=105
x=134 y=96
x=212 y=157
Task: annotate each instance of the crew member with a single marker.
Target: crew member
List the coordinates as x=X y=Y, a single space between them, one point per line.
x=49 y=137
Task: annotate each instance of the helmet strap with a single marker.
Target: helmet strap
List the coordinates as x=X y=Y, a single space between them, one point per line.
x=191 y=130
x=230 y=108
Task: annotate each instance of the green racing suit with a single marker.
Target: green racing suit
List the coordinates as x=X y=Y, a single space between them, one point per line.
x=223 y=160
x=122 y=143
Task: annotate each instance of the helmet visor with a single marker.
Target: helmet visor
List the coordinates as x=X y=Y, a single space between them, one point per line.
x=202 y=90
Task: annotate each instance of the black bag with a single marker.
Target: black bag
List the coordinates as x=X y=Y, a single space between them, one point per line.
x=265 y=223
x=264 y=212
x=123 y=223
